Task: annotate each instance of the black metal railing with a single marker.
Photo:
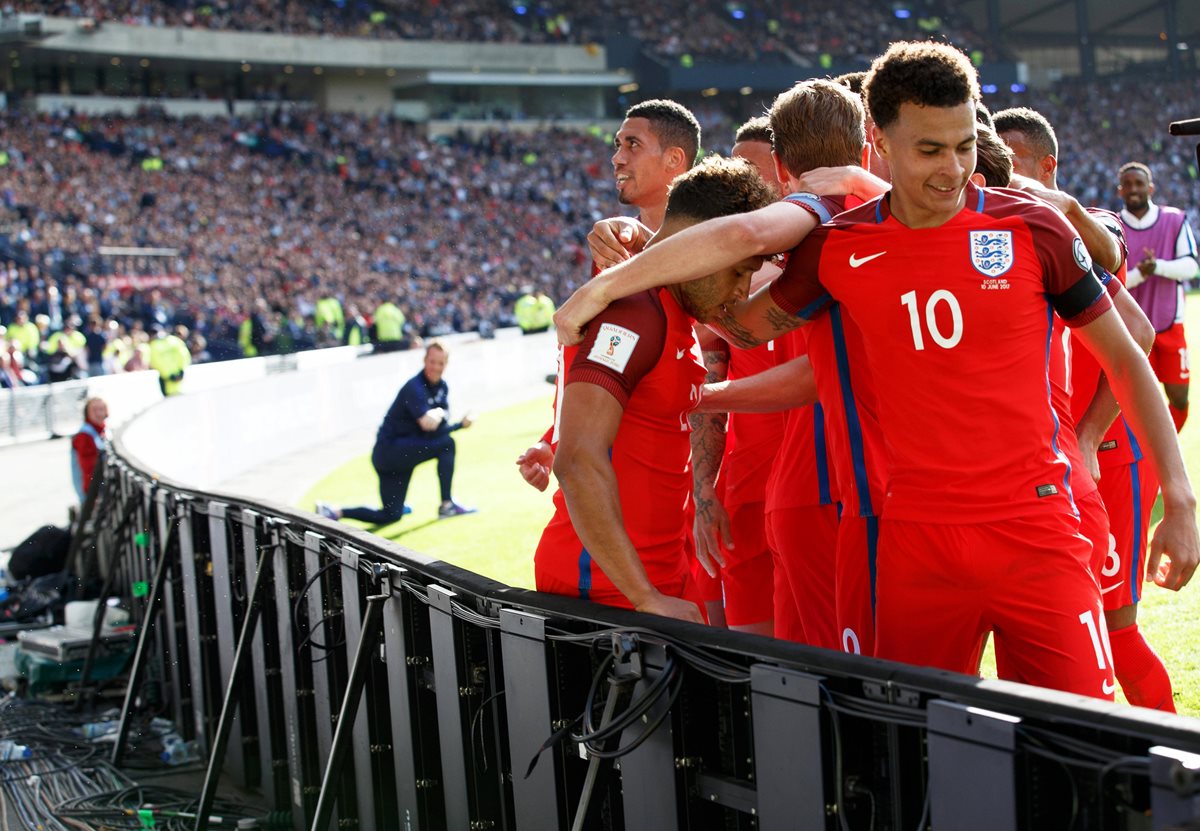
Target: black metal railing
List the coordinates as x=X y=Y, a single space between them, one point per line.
x=358 y=684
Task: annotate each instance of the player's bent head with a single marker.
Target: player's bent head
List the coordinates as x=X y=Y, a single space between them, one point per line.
x=714 y=188
x=753 y=143
x=756 y=129
x=993 y=158
x=853 y=81
x=672 y=124
x=1032 y=139
x=817 y=123
x=925 y=74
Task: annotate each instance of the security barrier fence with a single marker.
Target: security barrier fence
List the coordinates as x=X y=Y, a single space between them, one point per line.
x=357 y=684
x=30 y=413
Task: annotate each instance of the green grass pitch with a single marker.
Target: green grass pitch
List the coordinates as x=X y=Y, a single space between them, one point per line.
x=499 y=540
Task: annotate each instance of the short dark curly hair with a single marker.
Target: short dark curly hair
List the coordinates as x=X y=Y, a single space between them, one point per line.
x=718 y=187
x=927 y=74
x=993 y=158
x=1032 y=125
x=756 y=129
x=672 y=123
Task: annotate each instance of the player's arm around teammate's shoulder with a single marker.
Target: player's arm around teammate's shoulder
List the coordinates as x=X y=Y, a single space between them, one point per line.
x=692 y=253
x=590 y=418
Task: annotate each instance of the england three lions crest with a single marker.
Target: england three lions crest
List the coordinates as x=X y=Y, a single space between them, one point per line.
x=992 y=252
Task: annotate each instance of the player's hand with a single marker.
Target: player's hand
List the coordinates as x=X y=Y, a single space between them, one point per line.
x=1177 y=539
x=467 y=421
x=1064 y=202
x=1089 y=452
x=615 y=240
x=574 y=315
x=535 y=464
x=838 y=181
x=676 y=607
x=711 y=529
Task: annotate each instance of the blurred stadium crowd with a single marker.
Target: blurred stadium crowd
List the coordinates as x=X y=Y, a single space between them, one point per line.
x=726 y=30
x=259 y=220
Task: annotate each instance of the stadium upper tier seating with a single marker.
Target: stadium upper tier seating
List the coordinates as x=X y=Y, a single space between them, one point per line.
x=719 y=30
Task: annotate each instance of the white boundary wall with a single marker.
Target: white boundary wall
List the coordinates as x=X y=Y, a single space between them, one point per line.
x=213 y=433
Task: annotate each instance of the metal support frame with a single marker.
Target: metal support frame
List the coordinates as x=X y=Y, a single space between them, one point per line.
x=317 y=607
x=397 y=654
x=649 y=779
x=356 y=631
x=968 y=745
x=1174 y=788
x=347 y=715
x=446 y=659
x=296 y=685
x=233 y=689
x=788 y=760
x=537 y=799
x=146 y=636
x=224 y=577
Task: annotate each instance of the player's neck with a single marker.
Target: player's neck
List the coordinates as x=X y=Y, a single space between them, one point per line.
x=1142 y=213
x=913 y=216
x=652 y=215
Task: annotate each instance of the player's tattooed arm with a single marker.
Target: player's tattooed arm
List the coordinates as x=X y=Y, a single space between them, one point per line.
x=711 y=526
x=755 y=322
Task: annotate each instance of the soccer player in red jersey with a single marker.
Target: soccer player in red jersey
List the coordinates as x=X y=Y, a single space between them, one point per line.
x=955 y=290
x=620 y=531
x=1126 y=483
x=657 y=141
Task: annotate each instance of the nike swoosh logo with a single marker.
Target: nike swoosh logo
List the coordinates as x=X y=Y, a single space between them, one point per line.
x=679 y=354
x=855 y=262
x=1112 y=588
x=1108 y=688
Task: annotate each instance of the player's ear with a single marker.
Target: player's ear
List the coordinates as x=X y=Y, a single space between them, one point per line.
x=781 y=171
x=1049 y=165
x=880 y=141
x=977 y=180
x=676 y=159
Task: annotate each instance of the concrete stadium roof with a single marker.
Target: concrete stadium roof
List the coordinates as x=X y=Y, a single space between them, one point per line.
x=1113 y=23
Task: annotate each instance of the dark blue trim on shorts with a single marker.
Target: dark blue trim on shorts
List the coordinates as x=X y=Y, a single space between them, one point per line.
x=826 y=497
x=1135 y=487
x=585 y=573
x=872 y=554
x=853 y=424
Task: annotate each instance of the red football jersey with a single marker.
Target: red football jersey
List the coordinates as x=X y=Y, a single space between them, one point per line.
x=957 y=322
x=753 y=438
x=1118 y=447
x=800 y=473
x=642 y=350
x=847 y=395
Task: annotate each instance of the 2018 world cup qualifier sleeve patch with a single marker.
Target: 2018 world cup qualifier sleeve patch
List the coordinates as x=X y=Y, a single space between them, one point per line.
x=614 y=346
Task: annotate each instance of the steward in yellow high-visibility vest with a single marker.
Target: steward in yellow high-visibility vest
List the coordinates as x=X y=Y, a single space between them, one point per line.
x=169 y=357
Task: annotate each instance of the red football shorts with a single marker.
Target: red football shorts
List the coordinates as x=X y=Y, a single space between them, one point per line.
x=1169 y=356
x=1129 y=492
x=857 y=542
x=941 y=587
x=1093 y=524
x=680 y=586
x=749 y=568
x=805 y=542
x=708 y=588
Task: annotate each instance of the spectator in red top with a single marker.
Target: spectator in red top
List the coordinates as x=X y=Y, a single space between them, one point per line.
x=88 y=444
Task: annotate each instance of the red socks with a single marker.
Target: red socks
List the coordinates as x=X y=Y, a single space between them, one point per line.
x=1178 y=416
x=1140 y=671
